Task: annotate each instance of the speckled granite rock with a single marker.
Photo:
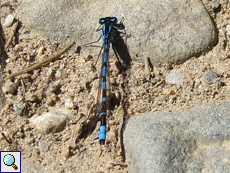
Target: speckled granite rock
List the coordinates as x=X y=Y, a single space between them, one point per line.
x=165 y=31
x=195 y=140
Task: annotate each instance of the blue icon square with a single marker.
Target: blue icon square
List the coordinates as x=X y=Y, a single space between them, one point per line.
x=10 y=161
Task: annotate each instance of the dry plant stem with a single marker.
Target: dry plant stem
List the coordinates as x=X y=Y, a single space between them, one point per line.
x=7 y=140
x=40 y=64
x=14 y=28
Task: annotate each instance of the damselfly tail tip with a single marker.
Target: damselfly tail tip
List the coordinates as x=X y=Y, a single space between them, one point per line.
x=102 y=142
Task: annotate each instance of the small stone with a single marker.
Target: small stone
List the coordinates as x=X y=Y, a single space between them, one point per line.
x=214 y=4
x=31 y=97
x=66 y=152
x=41 y=50
x=53 y=121
x=32 y=53
x=10 y=87
x=17 y=47
x=69 y=104
x=111 y=136
x=160 y=99
x=60 y=73
x=19 y=108
x=73 y=144
x=9 y=20
x=51 y=100
x=53 y=88
x=44 y=146
x=112 y=81
x=118 y=97
x=7 y=106
x=228 y=30
x=50 y=72
x=210 y=76
x=175 y=77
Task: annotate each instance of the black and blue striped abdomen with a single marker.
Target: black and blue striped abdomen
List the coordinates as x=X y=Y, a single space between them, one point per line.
x=102 y=134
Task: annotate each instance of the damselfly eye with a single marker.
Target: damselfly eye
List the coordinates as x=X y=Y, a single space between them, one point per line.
x=113 y=20
x=101 y=21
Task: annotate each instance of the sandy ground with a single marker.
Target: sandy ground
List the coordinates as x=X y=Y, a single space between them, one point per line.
x=136 y=90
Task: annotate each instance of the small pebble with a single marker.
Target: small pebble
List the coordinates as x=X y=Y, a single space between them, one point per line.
x=73 y=144
x=51 y=100
x=210 y=76
x=44 y=146
x=53 y=121
x=41 y=50
x=53 y=88
x=50 y=73
x=69 y=104
x=119 y=153
x=112 y=81
x=32 y=52
x=160 y=99
x=7 y=106
x=31 y=97
x=66 y=152
x=172 y=99
x=175 y=77
x=35 y=74
x=10 y=87
x=17 y=47
x=111 y=136
x=228 y=30
x=19 y=107
x=9 y=20
x=214 y=4
x=60 y=73
x=118 y=97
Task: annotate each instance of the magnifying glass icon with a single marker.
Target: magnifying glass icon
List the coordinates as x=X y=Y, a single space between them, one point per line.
x=9 y=160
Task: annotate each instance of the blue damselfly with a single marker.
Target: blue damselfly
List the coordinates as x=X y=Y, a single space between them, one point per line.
x=109 y=27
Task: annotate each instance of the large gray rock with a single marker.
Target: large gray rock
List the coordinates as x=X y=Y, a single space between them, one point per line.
x=166 y=31
x=195 y=140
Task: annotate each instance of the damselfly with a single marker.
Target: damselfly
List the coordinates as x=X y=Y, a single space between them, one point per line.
x=109 y=27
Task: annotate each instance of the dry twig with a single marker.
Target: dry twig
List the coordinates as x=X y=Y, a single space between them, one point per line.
x=40 y=64
x=14 y=28
x=7 y=140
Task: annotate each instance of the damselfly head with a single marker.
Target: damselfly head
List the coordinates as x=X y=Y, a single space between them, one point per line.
x=110 y=20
